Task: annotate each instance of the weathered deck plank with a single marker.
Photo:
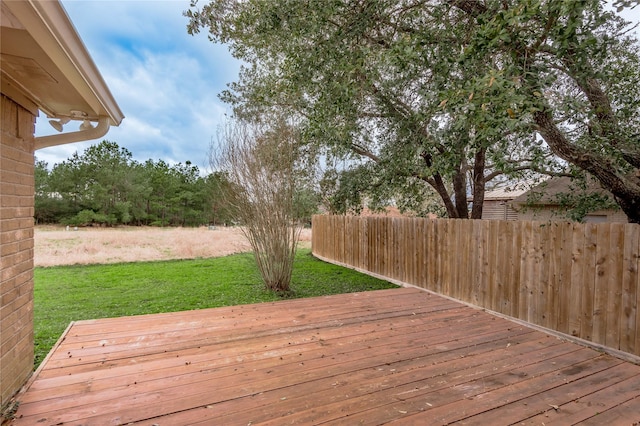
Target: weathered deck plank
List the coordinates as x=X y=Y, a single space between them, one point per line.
x=399 y=355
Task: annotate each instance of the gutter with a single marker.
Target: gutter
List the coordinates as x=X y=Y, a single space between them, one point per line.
x=82 y=135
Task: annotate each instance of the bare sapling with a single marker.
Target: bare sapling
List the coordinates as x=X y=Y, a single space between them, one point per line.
x=259 y=162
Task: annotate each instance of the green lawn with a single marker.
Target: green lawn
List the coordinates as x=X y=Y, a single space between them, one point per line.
x=71 y=293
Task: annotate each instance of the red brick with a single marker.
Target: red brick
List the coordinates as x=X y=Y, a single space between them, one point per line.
x=8 y=285
x=16 y=367
x=7 y=200
x=24 y=190
x=16 y=237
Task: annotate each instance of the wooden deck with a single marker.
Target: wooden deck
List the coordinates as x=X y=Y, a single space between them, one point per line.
x=399 y=355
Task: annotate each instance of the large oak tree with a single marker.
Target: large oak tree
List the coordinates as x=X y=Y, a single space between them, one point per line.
x=449 y=94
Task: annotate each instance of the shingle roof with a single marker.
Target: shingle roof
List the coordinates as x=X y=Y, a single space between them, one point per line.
x=546 y=192
x=506 y=193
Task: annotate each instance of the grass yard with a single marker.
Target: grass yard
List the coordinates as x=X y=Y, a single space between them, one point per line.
x=71 y=293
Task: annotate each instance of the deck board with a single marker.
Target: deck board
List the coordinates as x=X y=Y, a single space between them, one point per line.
x=400 y=355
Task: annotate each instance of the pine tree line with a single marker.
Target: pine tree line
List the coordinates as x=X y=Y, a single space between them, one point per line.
x=105 y=186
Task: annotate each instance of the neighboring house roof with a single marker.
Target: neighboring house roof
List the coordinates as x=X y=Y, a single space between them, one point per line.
x=507 y=193
x=547 y=192
x=46 y=66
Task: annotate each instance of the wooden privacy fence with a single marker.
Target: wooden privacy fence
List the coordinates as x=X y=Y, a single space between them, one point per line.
x=578 y=279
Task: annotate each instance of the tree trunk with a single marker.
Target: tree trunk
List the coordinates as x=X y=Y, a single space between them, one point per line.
x=437 y=183
x=631 y=207
x=478 y=184
x=441 y=189
x=625 y=189
x=460 y=191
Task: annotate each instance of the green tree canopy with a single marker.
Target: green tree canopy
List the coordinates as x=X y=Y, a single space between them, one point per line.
x=444 y=95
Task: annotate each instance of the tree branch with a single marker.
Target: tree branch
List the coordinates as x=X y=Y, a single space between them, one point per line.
x=530 y=167
x=471 y=7
x=364 y=152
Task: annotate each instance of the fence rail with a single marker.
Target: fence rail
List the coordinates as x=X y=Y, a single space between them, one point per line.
x=578 y=279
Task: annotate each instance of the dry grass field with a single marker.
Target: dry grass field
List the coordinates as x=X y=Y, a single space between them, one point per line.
x=59 y=246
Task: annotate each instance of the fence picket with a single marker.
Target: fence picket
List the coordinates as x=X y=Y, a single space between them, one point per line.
x=514 y=266
x=629 y=319
x=614 y=300
x=589 y=280
x=578 y=257
x=601 y=291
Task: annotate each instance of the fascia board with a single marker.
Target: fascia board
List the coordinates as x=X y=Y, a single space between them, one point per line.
x=49 y=25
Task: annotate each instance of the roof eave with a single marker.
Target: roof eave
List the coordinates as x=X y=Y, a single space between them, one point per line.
x=49 y=25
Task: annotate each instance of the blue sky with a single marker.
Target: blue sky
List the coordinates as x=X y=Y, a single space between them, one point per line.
x=165 y=81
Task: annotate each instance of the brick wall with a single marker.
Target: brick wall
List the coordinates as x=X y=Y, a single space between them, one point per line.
x=16 y=247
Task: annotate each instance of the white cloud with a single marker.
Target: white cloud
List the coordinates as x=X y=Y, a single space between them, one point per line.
x=58 y=154
x=165 y=81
